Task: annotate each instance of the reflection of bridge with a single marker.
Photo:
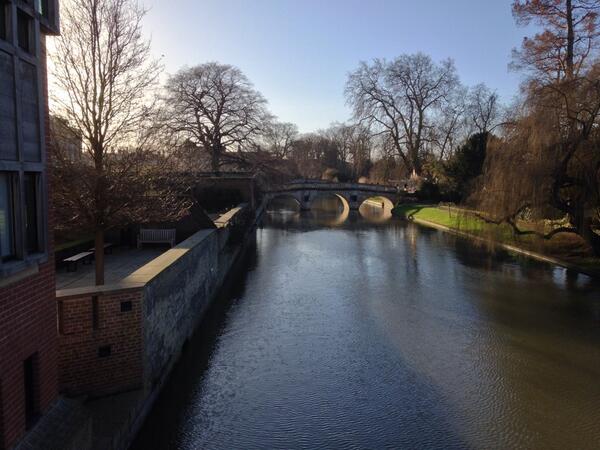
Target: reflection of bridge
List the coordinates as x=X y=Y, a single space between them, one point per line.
x=352 y=195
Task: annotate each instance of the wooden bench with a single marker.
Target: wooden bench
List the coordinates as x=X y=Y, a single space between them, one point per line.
x=107 y=248
x=150 y=236
x=73 y=260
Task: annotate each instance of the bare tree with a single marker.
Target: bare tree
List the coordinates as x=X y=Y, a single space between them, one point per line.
x=483 y=109
x=341 y=135
x=399 y=98
x=361 y=149
x=104 y=77
x=449 y=126
x=385 y=165
x=279 y=138
x=568 y=37
x=215 y=106
x=354 y=144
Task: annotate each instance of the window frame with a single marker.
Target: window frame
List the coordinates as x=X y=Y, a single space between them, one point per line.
x=21 y=257
x=18 y=168
x=38 y=213
x=12 y=190
x=23 y=17
x=5 y=29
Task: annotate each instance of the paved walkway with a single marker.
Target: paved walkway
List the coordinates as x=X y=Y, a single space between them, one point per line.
x=122 y=262
x=66 y=426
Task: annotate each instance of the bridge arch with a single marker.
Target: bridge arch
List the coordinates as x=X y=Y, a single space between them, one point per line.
x=337 y=219
x=276 y=202
x=378 y=200
x=377 y=208
x=322 y=195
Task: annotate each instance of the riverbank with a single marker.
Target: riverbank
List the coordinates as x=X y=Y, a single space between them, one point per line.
x=334 y=337
x=563 y=249
x=119 y=342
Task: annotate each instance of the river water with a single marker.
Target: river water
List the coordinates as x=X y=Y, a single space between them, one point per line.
x=354 y=333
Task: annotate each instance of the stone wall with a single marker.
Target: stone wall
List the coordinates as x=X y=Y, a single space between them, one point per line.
x=171 y=315
x=119 y=337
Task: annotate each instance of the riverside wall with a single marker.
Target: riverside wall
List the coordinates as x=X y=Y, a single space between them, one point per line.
x=126 y=337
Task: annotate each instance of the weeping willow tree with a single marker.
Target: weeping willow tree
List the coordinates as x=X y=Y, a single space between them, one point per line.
x=547 y=166
x=545 y=172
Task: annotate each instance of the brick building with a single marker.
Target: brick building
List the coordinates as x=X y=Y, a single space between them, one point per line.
x=28 y=335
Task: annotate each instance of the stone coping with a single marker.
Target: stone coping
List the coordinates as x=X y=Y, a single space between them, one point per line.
x=114 y=288
x=143 y=275
x=322 y=186
x=224 y=219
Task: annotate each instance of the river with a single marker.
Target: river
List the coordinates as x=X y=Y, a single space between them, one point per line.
x=376 y=334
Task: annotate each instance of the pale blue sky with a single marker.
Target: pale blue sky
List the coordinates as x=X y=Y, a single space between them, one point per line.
x=299 y=52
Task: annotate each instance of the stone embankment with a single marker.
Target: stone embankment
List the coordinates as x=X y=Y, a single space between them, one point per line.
x=119 y=342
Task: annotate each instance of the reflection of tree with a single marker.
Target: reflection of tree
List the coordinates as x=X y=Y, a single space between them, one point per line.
x=485 y=256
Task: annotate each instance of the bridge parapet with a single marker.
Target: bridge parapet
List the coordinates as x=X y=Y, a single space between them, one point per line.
x=352 y=194
x=328 y=186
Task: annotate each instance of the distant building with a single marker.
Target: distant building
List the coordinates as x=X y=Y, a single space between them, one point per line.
x=28 y=336
x=66 y=139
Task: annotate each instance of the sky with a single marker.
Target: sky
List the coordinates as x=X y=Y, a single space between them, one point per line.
x=298 y=53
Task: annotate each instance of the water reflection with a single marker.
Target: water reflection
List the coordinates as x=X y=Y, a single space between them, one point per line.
x=387 y=336
x=283 y=204
x=326 y=211
x=376 y=210
x=329 y=210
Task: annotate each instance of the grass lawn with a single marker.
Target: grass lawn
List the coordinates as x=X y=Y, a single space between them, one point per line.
x=448 y=217
x=564 y=246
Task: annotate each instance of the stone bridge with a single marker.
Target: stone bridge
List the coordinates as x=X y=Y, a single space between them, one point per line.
x=352 y=195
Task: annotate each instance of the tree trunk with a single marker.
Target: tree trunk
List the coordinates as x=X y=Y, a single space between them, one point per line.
x=415 y=162
x=99 y=257
x=570 y=41
x=215 y=161
x=416 y=167
x=215 y=155
x=589 y=236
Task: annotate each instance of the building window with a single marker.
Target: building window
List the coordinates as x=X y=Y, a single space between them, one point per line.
x=3 y=20
x=31 y=384
x=8 y=115
x=25 y=31
x=30 y=114
x=7 y=222
x=21 y=225
x=32 y=212
x=48 y=9
x=43 y=7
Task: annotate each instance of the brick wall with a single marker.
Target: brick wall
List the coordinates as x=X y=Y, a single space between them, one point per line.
x=28 y=327
x=100 y=343
x=125 y=336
